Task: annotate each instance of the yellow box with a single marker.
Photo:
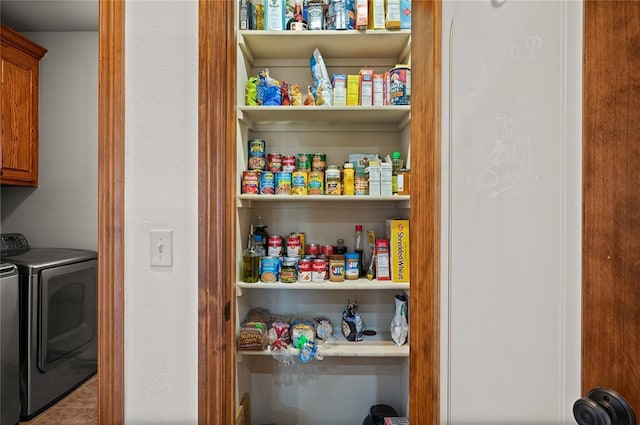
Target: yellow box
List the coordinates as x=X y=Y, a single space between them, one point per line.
x=353 y=90
x=398 y=231
x=376 y=15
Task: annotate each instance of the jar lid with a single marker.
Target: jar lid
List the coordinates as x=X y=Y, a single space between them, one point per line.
x=348 y=165
x=351 y=255
x=336 y=257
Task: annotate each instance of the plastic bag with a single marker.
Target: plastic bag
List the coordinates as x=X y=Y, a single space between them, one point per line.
x=322 y=82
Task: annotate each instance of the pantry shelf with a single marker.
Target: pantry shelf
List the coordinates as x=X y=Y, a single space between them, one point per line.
x=332 y=44
x=396 y=115
x=366 y=348
x=359 y=284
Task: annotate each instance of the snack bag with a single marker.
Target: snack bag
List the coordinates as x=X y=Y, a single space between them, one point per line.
x=321 y=78
x=296 y=96
x=268 y=90
x=251 y=91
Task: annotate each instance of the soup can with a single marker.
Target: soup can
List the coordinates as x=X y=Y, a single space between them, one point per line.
x=251 y=182
x=304 y=270
x=293 y=245
x=326 y=250
x=267 y=183
x=269 y=269
x=274 y=246
x=283 y=183
x=289 y=163
x=303 y=239
x=312 y=249
x=257 y=154
x=319 y=270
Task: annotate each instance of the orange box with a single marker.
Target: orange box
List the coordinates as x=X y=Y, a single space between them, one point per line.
x=398 y=231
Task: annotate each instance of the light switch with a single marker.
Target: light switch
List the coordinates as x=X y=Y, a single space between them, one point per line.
x=161 y=248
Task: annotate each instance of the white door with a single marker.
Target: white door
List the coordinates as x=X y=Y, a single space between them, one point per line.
x=511 y=211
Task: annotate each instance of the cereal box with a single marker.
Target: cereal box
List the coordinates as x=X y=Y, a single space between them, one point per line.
x=353 y=90
x=398 y=234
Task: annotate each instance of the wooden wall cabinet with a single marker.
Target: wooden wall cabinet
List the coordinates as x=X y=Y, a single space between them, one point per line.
x=19 y=130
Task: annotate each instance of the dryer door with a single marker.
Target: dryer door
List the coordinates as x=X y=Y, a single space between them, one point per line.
x=68 y=312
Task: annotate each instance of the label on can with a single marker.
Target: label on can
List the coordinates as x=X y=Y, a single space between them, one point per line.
x=304 y=270
x=293 y=246
x=327 y=250
x=251 y=182
x=312 y=249
x=257 y=154
x=319 y=270
x=274 y=246
x=269 y=267
x=289 y=163
x=274 y=162
x=299 y=183
x=267 y=183
x=283 y=183
x=303 y=162
x=316 y=183
x=318 y=162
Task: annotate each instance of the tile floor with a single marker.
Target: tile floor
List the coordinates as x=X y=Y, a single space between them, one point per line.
x=78 y=408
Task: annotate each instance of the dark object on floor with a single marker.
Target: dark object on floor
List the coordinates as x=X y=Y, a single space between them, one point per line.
x=377 y=413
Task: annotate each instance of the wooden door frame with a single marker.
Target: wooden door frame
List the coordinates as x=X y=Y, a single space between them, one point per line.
x=216 y=219
x=111 y=113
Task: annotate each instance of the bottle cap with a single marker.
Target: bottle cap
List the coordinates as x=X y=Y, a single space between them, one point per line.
x=358 y=227
x=348 y=165
x=395 y=155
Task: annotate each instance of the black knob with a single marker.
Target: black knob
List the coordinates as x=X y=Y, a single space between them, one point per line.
x=603 y=406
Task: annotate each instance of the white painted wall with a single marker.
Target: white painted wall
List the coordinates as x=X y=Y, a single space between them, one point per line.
x=161 y=190
x=62 y=211
x=511 y=211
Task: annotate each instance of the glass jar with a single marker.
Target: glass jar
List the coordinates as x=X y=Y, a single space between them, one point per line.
x=288 y=272
x=336 y=268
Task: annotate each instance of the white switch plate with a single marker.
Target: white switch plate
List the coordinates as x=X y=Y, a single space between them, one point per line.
x=161 y=248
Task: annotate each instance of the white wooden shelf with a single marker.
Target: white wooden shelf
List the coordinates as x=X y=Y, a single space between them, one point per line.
x=395 y=115
x=349 y=44
x=359 y=284
x=366 y=348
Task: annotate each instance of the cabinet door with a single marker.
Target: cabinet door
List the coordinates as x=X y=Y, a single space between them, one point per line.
x=19 y=117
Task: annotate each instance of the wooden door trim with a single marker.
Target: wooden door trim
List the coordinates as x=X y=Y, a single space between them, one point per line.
x=611 y=199
x=217 y=135
x=111 y=213
x=216 y=198
x=424 y=308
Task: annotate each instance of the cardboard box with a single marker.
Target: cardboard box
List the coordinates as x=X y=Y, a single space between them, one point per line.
x=398 y=234
x=353 y=90
x=339 y=90
x=362 y=14
x=366 y=87
x=405 y=14
x=376 y=15
x=392 y=20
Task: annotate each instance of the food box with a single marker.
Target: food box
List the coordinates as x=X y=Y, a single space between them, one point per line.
x=376 y=15
x=366 y=87
x=353 y=90
x=398 y=234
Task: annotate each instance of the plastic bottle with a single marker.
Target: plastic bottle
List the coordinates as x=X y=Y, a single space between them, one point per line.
x=251 y=261
x=357 y=243
x=396 y=165
x=348 y=179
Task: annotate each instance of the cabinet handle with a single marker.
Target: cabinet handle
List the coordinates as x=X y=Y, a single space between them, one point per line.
x=603 y=406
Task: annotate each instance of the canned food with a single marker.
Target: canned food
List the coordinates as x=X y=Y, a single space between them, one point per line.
x=304 y=270
x=274 y=246
x=269 y=267
x=318 y=162
x=251 y=182
x=302 y=237
x=319 y=270
x=327 y=250
x=267 y=183
x=283 y=183
x=312 y=249
x=289 y=163
x=299 y=183
x=274 y=162
x=257 y=154
x=293 y=246
x=316 y=183
x=303 y=162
